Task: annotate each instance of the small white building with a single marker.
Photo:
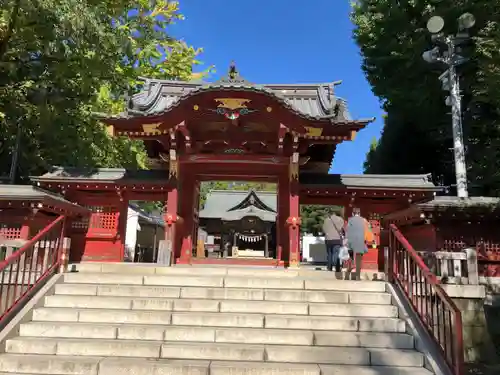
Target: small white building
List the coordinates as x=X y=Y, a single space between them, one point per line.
x=143 y=234
x=313 y=249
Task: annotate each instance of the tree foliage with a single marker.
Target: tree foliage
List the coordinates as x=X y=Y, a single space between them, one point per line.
x=63 y=60
x=417 y=135
x=312 y=217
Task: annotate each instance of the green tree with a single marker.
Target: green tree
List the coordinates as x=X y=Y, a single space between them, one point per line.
x=63 y=60
x=417 y=134
x=371 y=155
x=312 y=217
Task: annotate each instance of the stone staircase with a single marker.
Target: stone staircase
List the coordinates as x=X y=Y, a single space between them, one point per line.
x=119 y=319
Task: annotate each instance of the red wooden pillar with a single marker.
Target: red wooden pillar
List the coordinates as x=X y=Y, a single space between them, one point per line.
x=187 y=202
x=196 y=219
x=122 y=227
x=293 y=222
x=282 y=234
x=171 y=222
x=289 y=213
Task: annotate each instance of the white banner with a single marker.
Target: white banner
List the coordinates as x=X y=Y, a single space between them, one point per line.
x=250 y=239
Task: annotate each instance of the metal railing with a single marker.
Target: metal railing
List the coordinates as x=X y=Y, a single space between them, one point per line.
x=436 y=310
x=29 y=266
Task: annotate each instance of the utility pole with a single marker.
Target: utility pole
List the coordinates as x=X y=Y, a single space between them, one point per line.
x=451 y=83
x=456 y=118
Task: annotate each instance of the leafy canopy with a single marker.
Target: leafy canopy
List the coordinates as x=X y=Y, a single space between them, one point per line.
x=63 y=60
x=417 y=136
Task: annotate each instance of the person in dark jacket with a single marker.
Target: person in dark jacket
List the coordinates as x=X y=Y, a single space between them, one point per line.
x=333 y=228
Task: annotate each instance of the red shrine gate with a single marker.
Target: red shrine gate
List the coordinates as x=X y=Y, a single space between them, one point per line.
x=196 y=168
x=229 y=130
x=232 y=130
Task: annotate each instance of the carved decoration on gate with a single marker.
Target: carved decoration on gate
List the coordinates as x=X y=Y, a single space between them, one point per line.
x=294 y=167
x=173 y=164
x=232 y=108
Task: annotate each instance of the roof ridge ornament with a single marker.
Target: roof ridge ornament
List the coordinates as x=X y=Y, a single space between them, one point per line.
x=233 y=76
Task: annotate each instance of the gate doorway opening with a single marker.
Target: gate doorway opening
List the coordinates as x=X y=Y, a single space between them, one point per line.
x=237 y=220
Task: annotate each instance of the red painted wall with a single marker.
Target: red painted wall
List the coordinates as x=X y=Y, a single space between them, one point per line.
x=423 y=237
x=99 y=238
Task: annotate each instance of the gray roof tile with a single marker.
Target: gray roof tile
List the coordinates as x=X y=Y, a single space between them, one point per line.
x=461 y=203
x=249 y=211
x=28 y=193
x=150 y=218
x=311 y=101
x=102 y=175
x=369 y=180
x=25 y=192
x=420 y=182
x=219 y=202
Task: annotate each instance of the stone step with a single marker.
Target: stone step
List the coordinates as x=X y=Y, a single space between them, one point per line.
x=216 y=351
x=230 y=306
x=13 y=364
x=377 y=298
x=152 y=269
x=243 y=320
x=228 y=282
x=77 y=365
x=214 y=334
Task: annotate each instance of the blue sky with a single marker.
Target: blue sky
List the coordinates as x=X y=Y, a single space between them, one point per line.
x=287 y=41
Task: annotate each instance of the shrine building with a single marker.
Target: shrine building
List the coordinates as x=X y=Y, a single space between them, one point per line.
x=230 y=130
x=240 y=224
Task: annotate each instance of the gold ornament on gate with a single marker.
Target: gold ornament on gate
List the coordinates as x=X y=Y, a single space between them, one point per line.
x=151 y=128
x=294 y=166
x=232 y=103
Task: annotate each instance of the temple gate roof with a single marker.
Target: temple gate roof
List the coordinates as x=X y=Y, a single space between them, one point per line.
x=307 y=180
x=314 y=101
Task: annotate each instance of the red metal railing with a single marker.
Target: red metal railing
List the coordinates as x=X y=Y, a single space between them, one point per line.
x=436 y=309
x=30 y=266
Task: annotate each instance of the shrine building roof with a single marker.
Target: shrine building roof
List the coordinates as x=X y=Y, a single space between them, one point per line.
x=307 y=180
x=27 y=196
x=450 y=202
x=369 y=181
x=232 y=205
x=448 y=206
x=103 y=175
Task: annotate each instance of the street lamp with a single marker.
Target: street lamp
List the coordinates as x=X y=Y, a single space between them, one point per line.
x=445 y=52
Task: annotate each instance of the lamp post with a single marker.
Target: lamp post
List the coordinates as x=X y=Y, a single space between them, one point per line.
x=446 y=52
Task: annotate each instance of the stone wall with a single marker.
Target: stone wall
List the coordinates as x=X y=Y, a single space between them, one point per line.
x=481 y=322
x=478 y=340
x=492 y=310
